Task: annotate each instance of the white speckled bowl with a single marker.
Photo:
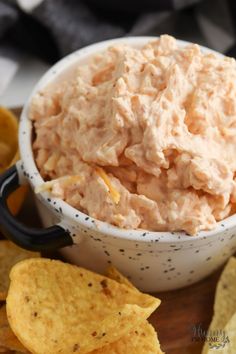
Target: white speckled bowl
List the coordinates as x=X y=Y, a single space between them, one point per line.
x=154 y=261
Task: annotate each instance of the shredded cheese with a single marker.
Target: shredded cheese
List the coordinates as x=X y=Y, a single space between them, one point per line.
x=65 y=181
x=45 y=187
x=51 y=163
x=114 y=193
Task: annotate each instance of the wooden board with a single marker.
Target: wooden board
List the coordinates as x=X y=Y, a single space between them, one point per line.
x=179 y=311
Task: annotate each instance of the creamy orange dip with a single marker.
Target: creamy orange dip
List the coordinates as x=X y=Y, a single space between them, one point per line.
x=143 y=138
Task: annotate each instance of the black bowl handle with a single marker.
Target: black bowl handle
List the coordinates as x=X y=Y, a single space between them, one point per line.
x=29 y=238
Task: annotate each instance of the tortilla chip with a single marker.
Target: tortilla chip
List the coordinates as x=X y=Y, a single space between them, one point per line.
x=67 y=309
x=227 y=341
x=7 y=338
x=8 y=137
x=230 y=331
x=9 y=154
x=225 y=301
x=16 y=199
x=7 y=351
x=114 y=274
x=10 y=254
x=141 y=340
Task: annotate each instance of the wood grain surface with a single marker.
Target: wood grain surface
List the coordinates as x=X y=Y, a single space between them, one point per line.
x=179 y=311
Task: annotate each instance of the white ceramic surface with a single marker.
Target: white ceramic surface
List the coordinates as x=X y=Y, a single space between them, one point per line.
x=154 y=261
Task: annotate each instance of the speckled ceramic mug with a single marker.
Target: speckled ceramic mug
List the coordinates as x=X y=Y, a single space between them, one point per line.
x=154 y=261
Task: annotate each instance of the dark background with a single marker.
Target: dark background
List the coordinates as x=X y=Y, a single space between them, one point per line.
x=55 y=28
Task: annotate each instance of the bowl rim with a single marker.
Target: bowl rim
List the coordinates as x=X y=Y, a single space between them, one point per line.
x=72 y=214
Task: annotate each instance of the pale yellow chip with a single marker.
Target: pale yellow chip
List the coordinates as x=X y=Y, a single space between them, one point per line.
x=225 y=301
x=226 y=339
x=114 y=274
x=230 y=331
x=67 y=309
x=10 y=254
x=141 y=340
x=8 y=340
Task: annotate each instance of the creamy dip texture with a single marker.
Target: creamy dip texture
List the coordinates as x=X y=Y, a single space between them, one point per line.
x=143 y=138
